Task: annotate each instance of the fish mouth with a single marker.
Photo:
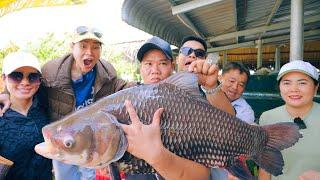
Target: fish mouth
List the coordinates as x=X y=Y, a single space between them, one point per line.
x=46 y=150
x=43 y=150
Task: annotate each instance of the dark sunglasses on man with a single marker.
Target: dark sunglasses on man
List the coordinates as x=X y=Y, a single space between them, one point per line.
x=82 y=30
x=300 y=123
x=199 y=53
x=17 y=77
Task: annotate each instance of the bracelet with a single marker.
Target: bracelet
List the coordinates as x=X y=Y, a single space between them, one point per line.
x=212 y=90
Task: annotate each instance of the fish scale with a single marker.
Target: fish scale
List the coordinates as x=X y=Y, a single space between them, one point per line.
x=190 y=128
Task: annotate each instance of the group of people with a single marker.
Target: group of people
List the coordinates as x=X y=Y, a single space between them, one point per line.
x=37 y=96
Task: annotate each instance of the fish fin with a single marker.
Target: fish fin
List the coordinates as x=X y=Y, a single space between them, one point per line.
x=187 y=82
x=270 y=160
x=280 y=136
x=240 y=169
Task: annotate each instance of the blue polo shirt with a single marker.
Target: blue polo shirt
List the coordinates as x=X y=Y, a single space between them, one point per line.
x=18 y=136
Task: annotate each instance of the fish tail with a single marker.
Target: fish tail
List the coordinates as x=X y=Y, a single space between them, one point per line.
x=280 y=136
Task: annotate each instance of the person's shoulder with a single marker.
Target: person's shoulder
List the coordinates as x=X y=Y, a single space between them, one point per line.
x=271 y=116
x=241 y=102
x=9 y=116
x=53 y=68
x=315 y=108
x=106 y=68
x=316 y=105
x=2 y=120
x=244 y=102
x=274 y=110
x=55 y=63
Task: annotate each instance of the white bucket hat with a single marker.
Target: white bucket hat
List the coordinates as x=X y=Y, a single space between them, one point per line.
x=299 y=66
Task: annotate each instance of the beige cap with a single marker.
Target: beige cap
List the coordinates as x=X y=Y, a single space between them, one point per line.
x=299 y=66
x=19 y=59
x=85 y=32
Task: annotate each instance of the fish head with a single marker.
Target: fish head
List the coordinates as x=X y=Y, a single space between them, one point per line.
x=91 y=141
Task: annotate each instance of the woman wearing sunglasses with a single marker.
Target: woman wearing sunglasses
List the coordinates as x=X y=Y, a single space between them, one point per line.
x=298 y=84
x=21 y=124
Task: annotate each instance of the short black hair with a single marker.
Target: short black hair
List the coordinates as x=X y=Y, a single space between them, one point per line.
x=194 y=38
x=236 y=66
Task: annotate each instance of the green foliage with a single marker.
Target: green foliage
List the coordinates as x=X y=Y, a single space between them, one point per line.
x=126 y=68
x=48 y=48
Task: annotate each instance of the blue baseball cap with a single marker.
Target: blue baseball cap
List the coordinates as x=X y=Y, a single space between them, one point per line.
x=155 y=43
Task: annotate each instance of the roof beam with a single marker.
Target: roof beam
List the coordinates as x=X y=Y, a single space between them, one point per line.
x=191 y=5
x=287 y=37
x=232 y=46
x=274 y=11
x=187 y=22
x=260 y=29
x=283 y=38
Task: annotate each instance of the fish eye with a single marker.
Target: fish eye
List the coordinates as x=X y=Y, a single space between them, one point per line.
x=68 y=142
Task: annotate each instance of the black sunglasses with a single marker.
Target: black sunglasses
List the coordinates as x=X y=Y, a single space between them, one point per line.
x=200 y=53
x=82 y=30
x=300 y=123
x=33 y=78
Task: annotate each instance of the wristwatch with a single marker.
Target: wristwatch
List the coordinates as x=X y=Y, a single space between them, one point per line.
x=211 y=90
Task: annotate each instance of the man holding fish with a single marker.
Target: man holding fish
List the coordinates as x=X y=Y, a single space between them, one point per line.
x=156 y=64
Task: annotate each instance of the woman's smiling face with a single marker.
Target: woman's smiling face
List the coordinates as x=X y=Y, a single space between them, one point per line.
x=24 y=89
x=297 y=89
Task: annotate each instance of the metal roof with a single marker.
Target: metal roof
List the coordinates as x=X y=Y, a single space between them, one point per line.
x=225 y=24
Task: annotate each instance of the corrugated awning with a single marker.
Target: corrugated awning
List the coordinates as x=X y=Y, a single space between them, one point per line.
x=224 y=24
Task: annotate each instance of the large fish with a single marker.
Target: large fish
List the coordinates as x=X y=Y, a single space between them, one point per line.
x=190 y=127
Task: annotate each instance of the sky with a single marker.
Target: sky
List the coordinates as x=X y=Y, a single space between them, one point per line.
x=30 y=24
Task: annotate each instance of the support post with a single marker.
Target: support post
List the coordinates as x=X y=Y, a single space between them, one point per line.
x=225 y=58
x=259 y=54
x=277 y=58
x=296 y=30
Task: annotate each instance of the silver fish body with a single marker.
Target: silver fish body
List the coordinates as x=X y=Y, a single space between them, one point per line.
x=190 y=128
